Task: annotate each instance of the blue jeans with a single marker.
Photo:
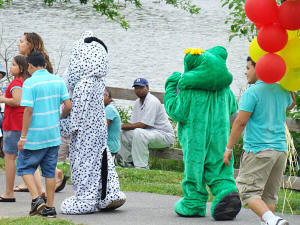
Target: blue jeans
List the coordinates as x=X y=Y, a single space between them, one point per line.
x=10 y=141
x=29 y=160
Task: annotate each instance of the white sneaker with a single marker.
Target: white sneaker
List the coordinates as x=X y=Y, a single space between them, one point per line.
x=263 y=223
x=278 y=221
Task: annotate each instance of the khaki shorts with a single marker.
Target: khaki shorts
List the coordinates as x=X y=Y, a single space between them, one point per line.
x=260 y=176
x=63 y=152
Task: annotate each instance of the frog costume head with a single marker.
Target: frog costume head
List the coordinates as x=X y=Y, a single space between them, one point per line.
x=205 y=70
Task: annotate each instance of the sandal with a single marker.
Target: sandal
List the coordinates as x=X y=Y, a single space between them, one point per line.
x=20 y=189
x=2 y=199
x=63 y=184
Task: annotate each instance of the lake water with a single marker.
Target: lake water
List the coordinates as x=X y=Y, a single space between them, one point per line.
x=152 y=48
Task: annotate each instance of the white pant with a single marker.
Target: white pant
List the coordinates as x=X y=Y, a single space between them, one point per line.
x=135 y=144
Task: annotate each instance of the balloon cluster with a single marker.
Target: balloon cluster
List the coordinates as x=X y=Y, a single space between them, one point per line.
x=276 y=49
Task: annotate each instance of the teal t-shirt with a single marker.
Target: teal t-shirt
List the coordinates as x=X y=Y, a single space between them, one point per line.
x=43 y=92
x=114 y=129
x=265 y=128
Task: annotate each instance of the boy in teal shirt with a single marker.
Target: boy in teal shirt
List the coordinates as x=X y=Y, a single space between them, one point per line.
x=113 y=124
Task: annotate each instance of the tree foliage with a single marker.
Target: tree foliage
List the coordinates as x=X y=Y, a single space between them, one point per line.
x=3 y=2
x=111 y=8
x=240 y=25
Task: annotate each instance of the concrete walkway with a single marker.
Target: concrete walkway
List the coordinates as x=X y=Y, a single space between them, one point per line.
x=140 y=209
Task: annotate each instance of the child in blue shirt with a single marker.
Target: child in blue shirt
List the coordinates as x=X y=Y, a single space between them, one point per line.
x=113 y=124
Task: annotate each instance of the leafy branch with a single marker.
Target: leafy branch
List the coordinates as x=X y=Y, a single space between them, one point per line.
x=111 y=8
x=240 y=25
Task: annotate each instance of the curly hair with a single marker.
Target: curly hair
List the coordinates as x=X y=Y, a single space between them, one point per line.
x=37 y=44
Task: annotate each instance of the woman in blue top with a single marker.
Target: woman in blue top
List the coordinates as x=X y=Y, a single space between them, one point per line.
x=113 y=124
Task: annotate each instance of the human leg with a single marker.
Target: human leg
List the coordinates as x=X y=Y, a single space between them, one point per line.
x=10 y=150
x=259 y=182
x=141 y=141
x=272 y=187
x=37 y=203
x=126 y=145
x=48 y=167
x=38 y=182
x=50 y=188
x=30 y=183
x=10 y=173
x=264 y=211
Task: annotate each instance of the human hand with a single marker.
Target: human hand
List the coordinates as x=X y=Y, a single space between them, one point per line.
x=21 y=144
x=1 y=97
x=227 y=157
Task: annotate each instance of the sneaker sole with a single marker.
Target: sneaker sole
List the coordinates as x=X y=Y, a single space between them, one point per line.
x=37 y=211
x=114 y=205
x=281 y=222
x=51 y=216
x=228 y=207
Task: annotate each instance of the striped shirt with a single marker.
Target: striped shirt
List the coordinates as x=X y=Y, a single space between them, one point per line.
x=43 y=92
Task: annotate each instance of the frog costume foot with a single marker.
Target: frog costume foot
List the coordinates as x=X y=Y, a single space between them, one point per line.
x=226 y=207
x=184 y=211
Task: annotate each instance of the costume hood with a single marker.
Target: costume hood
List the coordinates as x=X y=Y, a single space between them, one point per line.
x=205 y=70
x=86 y=60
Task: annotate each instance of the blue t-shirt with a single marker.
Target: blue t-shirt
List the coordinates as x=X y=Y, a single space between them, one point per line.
x=114 y=129
x=43 y=92
x=265 y=128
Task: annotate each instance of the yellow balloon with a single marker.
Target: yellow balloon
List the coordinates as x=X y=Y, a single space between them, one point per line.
x=255 y=52
x=291 y=79
x=293 y=34
x=291 y=53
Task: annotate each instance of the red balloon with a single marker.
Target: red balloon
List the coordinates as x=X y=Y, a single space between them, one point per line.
x=289 y=15
x=261 y=11
x=270 y=68
x=258 y=26
x=272 y=37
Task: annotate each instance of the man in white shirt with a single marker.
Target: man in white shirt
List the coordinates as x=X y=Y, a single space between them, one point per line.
x=149 y=127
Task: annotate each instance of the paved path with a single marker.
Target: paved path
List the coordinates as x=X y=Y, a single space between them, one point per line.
x=140 y=209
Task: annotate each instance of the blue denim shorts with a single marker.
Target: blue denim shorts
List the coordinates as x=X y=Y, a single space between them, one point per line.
x=10 y=141
x=29 y=160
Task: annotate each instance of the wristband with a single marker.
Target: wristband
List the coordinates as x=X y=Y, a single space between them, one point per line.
x=229 y=149
x=22 y=139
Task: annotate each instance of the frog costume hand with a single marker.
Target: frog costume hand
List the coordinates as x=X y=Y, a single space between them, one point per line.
x=201 y=101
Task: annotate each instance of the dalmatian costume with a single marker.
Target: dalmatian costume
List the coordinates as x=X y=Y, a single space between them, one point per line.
x=94 y=178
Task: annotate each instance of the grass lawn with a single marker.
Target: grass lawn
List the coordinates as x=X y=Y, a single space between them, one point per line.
x=34 y=221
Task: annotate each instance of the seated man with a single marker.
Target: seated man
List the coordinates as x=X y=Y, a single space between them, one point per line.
x=149 y=127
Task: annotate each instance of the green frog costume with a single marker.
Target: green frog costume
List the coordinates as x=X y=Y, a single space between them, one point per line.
x=201 y=101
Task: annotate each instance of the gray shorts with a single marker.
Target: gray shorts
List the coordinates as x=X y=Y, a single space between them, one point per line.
x=260 y=176
x=10 y=141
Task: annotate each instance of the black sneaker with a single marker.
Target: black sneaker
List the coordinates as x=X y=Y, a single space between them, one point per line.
x=37 y=206
x=48 y=212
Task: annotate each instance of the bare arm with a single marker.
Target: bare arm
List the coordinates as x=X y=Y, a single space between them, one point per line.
x=27 y=116
x=108 y=123
x=293 y=103
x=15 y=100
x=67 y=109
x=131 y=126
x=238 y=126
